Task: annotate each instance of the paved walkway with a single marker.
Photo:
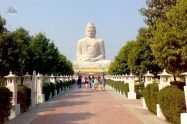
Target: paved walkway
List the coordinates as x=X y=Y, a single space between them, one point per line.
x=85 y=106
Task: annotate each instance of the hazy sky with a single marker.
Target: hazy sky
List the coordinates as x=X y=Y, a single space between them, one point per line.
x=63 y=21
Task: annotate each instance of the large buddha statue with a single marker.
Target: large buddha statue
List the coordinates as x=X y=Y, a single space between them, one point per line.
x=91 y=50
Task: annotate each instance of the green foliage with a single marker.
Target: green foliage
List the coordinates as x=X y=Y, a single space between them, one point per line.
x=156 y=10
x=57 y=83
x=22 y=38
x=5 y=104
x=64 y=66
x=140 y=58
x=24 y=98
x=2 y=82
x=2 y=24
x=52 y=88
x=136 y=56
x=169 y=44
x=9 y=54
x=46 y=90
x=119 y=65
x=180 y=84
x=172 y=103
x=150 y=93
x=21 y=53
x=119 y=86
x=46 y=57
x=139 y=90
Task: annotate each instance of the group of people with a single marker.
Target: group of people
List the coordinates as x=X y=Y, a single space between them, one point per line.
x=92 y=82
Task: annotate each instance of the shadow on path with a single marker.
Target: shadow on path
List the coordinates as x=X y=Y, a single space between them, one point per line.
x=64 y=118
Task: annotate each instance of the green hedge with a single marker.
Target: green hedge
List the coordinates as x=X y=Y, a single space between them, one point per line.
x=119 y=86
x=57 y=83
x=122 y=87
x=5 y=104
x=172 y=103
x=179 y=84
x=150 y=93
x=51 y=87
x=139 y=90
x=24 y=98
x=46 y=90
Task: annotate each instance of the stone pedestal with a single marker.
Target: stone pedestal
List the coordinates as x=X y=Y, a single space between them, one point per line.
x=12 y=86
x=131 y=95
x=14 y=111
x=27 y=81
x=159 y=112
x=144 y=104
x=50 y=95
x=33 y=105
x=55 y=92
x=165 y=79
x=183 y=117
x=39 y=95
x=148 y=78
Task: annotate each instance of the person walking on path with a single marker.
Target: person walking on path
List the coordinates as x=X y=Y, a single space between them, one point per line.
x=102 y=83
x=86 y=82
x=96 y=83
x=79 y=82
x=90 y=83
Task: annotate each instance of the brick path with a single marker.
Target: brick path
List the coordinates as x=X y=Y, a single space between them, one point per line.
x=85 y=106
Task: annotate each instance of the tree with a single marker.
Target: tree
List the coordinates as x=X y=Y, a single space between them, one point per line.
x=169 y=44
x=43 y=53
x=2 y=24
x=119 y=65
x=9 y=54
x=64 y=66
x=140 y=58
x=22 y=37
x=157 y=10
x=46 y=57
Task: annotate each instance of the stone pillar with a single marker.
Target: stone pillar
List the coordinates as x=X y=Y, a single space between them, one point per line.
x=148 y=80
x=39 y=86
x=123 y=76
x=185 y=87
x=34 y=79
x=52 y=80
x=184 y=115
x=165 y=79
x=27 y=81
x=131 y=93
x=12 y=86
x=126 y=79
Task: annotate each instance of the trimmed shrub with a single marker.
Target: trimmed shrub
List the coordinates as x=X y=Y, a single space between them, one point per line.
x=172 y=103
x=5 y=104
x=150 y=93
x=179 y=84
x=52 y=88
x=46 y=90
x=2 y=82
x=61 y=85
x=139 y=90
x=119 y=86
x=24 y=98
x=57 y=83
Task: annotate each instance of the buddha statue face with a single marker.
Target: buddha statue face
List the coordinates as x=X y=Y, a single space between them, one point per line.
x=90 y=30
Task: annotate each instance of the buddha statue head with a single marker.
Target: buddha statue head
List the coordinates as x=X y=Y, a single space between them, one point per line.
x=90 y=30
